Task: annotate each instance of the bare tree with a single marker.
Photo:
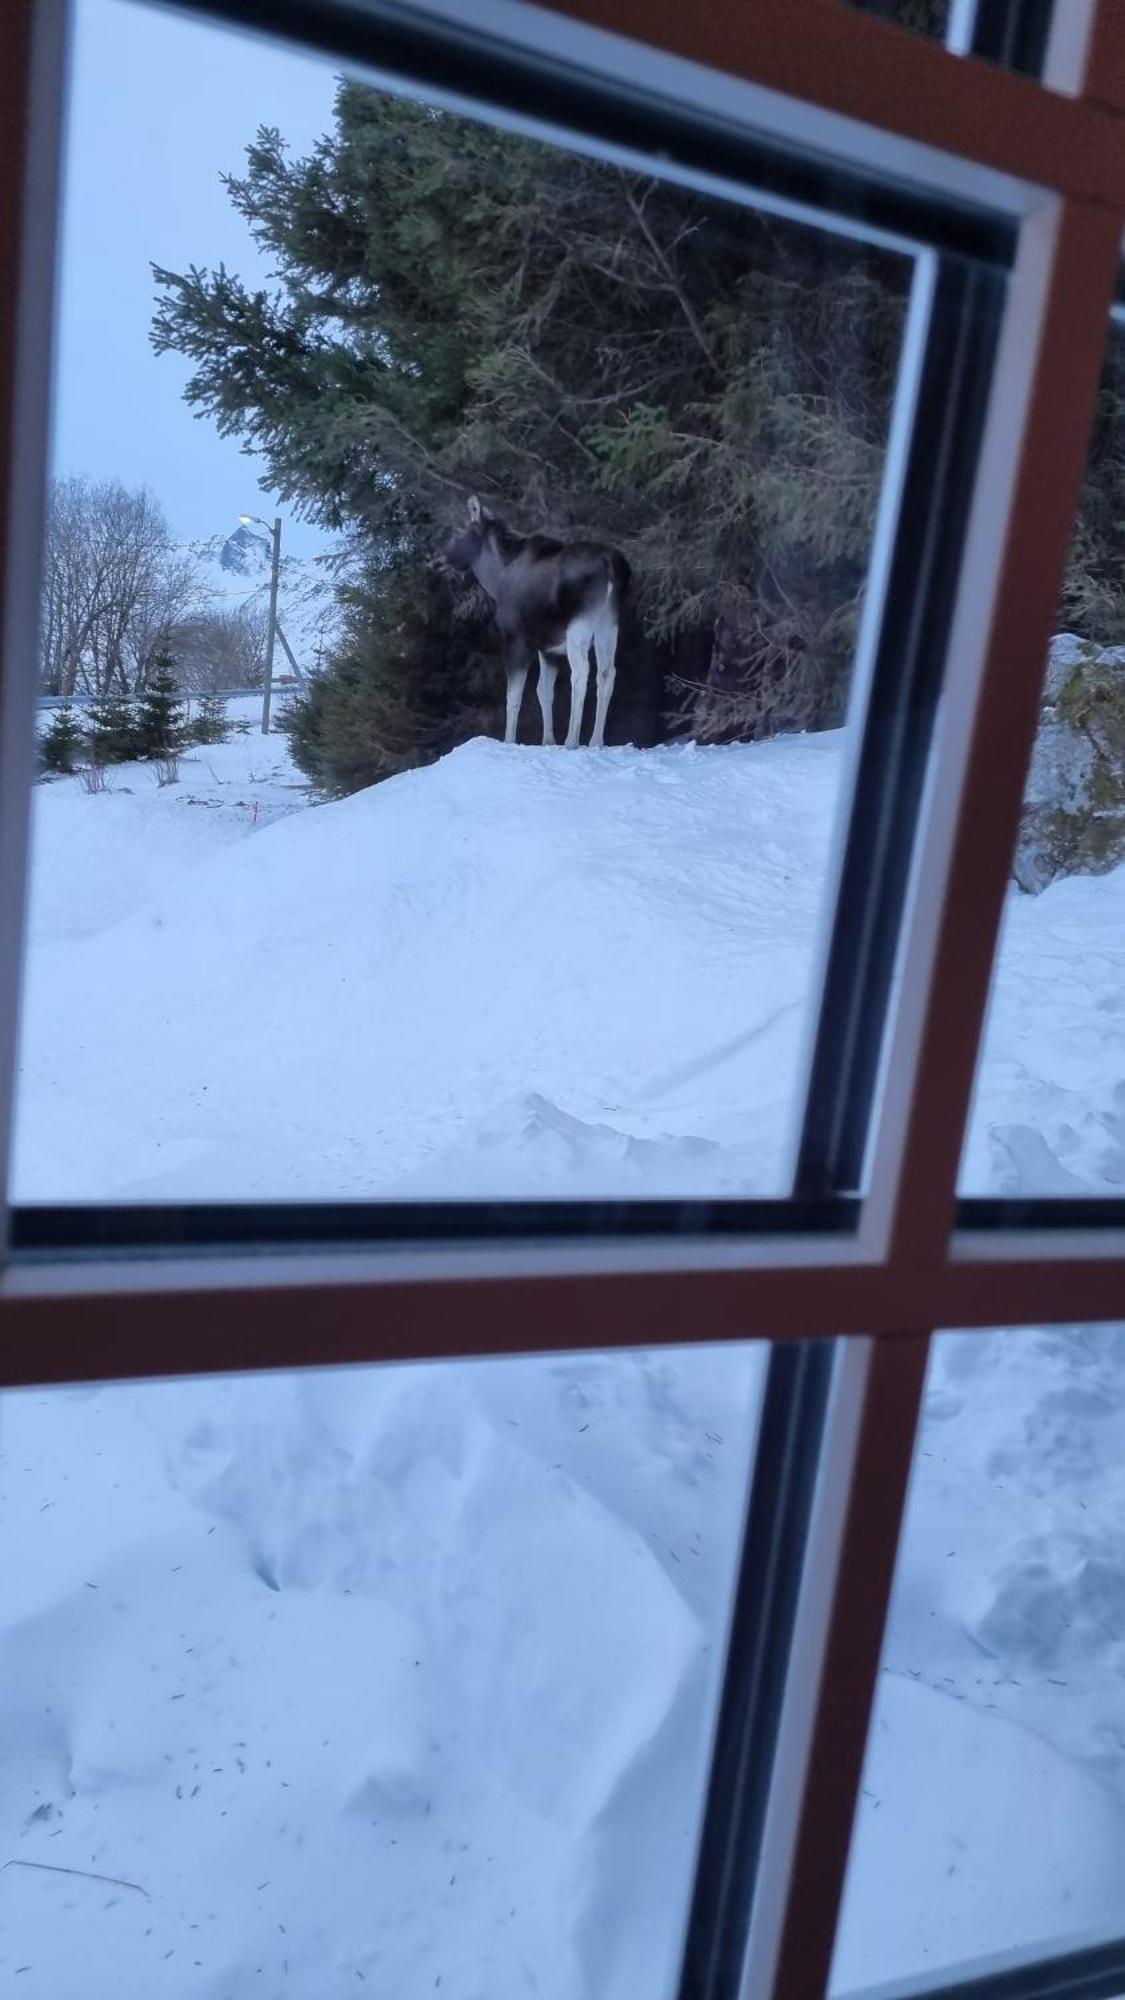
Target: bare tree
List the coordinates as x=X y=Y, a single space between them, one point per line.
x=219 y=650
x=115 y=584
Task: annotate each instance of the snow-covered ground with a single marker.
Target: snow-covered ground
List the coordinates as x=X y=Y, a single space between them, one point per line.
x=402 y=1679
x=525 y=974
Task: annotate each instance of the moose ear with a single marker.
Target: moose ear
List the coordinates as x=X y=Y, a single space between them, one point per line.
x=476 y=511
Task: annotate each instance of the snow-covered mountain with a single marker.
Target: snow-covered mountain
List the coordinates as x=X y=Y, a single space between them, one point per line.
x=234 y=571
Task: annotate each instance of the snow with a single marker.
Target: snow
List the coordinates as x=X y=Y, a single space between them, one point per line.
x=392 y=1676
x=403 y=1679
x=1049 y=1117
x=994 y=1816
x=527 y=974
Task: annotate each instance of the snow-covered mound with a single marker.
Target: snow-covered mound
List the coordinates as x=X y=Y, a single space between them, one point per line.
x=1049 y=1113
x=975 y=1838
x=514 y=973
x=398 y=1679
x=517 y=972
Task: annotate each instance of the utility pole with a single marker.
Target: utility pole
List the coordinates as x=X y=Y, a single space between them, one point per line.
x=251 y=520
x=266 y=698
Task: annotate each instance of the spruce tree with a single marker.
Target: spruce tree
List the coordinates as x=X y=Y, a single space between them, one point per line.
x=597 y=352
x=212 y=724
x=160 y=711
x=60 y=746
x=113 y=729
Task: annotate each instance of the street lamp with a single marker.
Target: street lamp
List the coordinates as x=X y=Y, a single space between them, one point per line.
x=249 y=521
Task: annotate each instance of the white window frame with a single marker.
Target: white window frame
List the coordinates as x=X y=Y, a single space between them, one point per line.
x=816 y=76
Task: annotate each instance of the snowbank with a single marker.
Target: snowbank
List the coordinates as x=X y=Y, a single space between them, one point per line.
x=401 y=1677
x=509 y=974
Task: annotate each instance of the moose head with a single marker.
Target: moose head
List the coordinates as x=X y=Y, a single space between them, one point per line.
x=464 y=547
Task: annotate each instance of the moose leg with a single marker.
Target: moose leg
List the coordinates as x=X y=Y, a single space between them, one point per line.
x=548 y=674
x=515 y=663
x=605 y=652
x=578 y=654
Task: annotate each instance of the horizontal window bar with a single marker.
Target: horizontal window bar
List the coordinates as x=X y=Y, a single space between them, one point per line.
x=89 y=1318
x=874 y=90
x=455 y=59
x=114 y=1228
x=979 y=1213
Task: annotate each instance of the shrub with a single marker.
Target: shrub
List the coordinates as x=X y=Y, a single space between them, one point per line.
x=212 y=724
x=113 y=730
x=161 y=725
x=60 y=745
x=93 y=778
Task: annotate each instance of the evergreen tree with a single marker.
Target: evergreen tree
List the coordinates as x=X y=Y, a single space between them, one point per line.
x=60 y=746
x=212 y=724
x=160 y=712
x=410 y=650
x=598 y=352
x=113 y=729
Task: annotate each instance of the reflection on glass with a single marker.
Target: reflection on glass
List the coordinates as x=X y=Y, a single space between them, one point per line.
x=1048 y=1116
x=992 y=1814
x=379 y=950
x=399 y=1679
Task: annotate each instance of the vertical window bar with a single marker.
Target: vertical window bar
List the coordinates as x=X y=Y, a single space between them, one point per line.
x=905 y=686
x=907 y=673
x=32 y=57
x=765 y=1607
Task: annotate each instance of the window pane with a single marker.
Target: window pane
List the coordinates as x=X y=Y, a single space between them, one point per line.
x=992 y=1814
x=396 y=1678
x=378 y=951
x=1048 y=1115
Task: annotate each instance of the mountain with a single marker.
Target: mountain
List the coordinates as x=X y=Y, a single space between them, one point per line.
x=234 y=572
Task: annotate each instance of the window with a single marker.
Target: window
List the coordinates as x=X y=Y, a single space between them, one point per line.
x=496 y=976
x=810 y=1268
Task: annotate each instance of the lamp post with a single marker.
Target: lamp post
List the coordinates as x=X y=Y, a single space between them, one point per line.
x=248 y=521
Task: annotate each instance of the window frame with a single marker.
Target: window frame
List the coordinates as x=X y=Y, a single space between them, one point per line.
x=813 y=77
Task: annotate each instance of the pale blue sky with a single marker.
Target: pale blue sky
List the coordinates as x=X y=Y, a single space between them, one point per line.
x=159 y=108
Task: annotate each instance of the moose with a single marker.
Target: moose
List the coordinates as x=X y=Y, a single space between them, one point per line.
x=551 y=599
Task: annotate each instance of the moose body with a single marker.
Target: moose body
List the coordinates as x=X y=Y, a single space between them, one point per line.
x=553 y=601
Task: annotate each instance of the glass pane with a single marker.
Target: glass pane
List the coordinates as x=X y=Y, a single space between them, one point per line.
x=1048 y=1115
x=379 y=951
x=399 y=1680
x=992 y=1815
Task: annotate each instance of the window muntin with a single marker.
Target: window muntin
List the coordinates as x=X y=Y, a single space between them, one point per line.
x=1048 y=1115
